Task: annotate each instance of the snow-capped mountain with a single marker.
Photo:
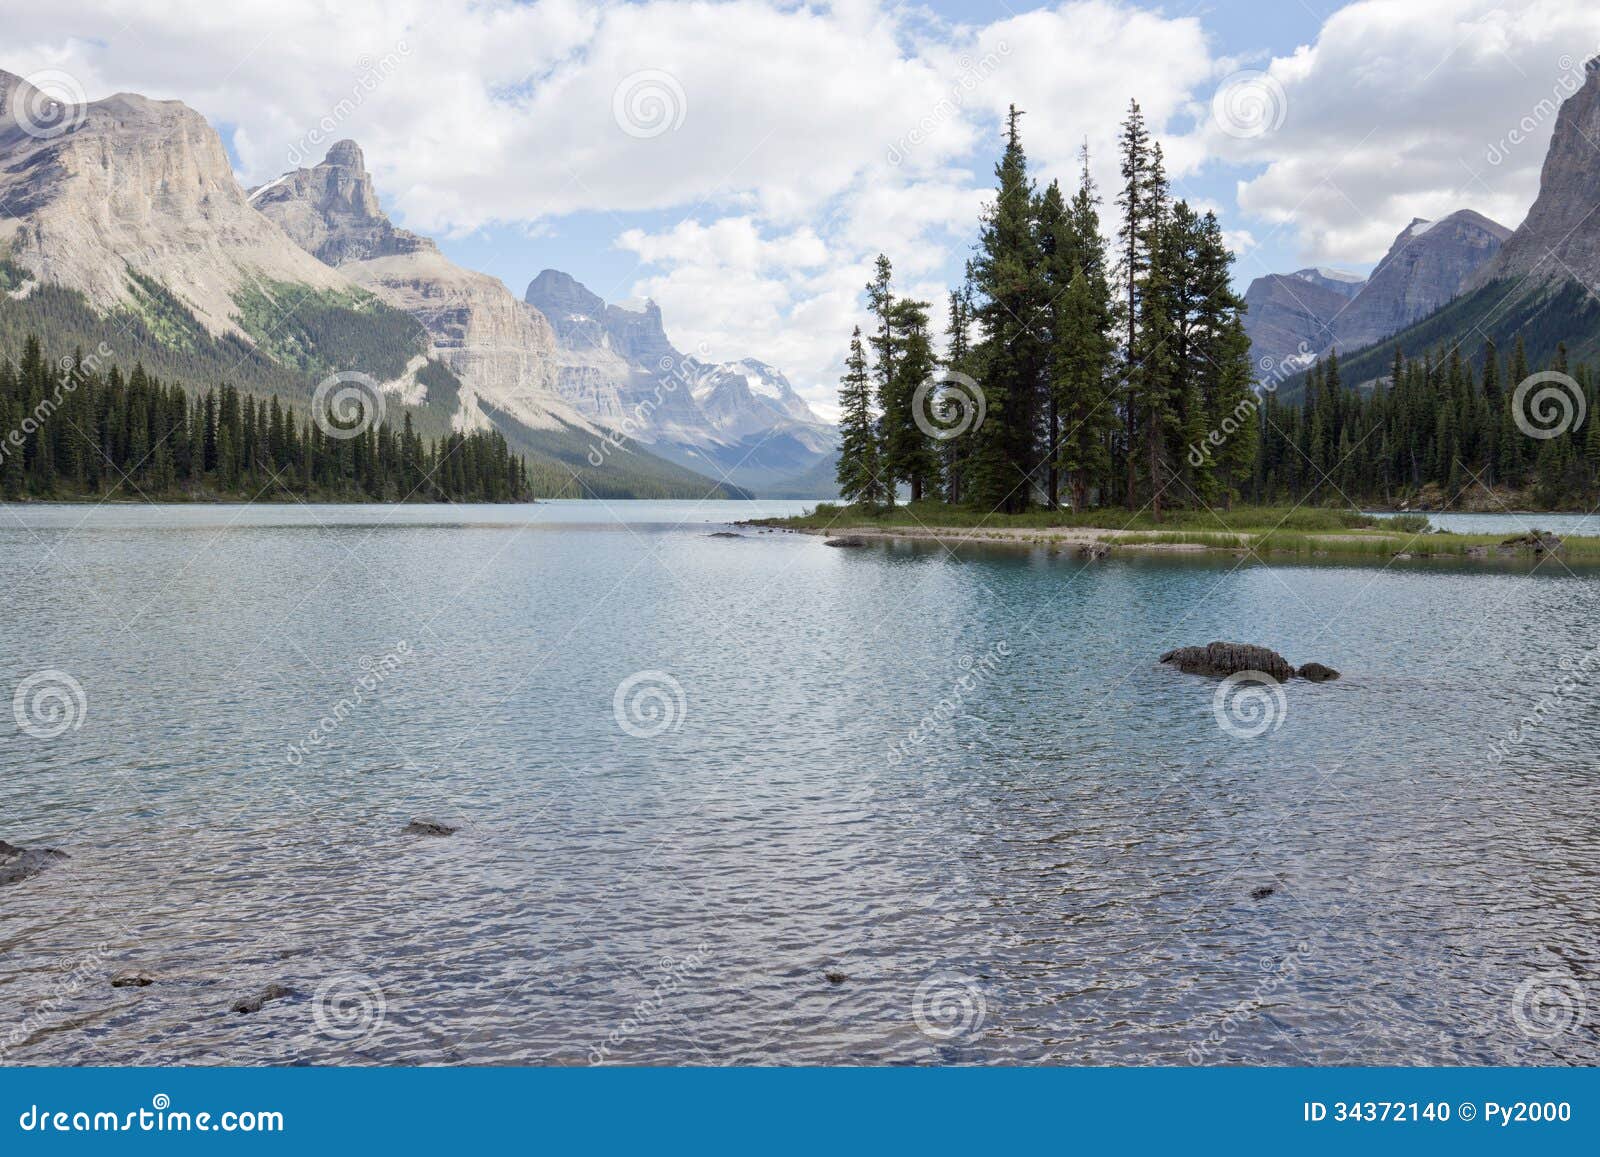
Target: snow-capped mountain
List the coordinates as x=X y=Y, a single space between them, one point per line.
x=741 y=420
x=749 y=396
x=1344 y=283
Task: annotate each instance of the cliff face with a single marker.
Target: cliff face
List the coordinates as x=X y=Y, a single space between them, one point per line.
x=619 y=368
x=129 y=183
x=504 y=352
x=332 y=211
x=617 y=364
x=1428 y=265
x=1290 y=321
x=1560 y=239
x=1296 y=318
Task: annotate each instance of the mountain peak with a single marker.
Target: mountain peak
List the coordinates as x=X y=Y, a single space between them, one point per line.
x=346 y=154
x=332 y=210
x=1428 y=265
x=1558 y=240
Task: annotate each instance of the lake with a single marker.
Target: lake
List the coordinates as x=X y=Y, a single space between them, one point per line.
x=758 y=801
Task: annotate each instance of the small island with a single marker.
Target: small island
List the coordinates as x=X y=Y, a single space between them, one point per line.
x=1306 y=532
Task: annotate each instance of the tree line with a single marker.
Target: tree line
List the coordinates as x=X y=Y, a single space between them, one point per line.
x=84 y=428
x=1066 y=378
x=1436 y=423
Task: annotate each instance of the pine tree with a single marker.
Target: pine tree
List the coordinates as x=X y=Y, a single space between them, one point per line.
x=880 y=302
x=859 y=472
x=1007 y=280
x=911 y=455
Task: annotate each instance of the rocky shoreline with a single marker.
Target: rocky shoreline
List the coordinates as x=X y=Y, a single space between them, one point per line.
x=1099 y=542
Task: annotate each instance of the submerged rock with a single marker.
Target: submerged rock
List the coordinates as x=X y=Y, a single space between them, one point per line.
x=1093 y=550
x=1262 y=892
x=18 y=864
x=1224 y=659
x=837 y=978
x=845 y=540
x=132 y=979
x=724 y=534
x=429 y=828
x=1317 y=673
x=270 y=993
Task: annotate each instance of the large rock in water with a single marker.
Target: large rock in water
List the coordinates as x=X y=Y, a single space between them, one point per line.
x=19 y=863
x=1224 y=659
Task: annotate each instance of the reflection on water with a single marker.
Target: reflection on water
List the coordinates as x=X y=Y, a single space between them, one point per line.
x=892 y=805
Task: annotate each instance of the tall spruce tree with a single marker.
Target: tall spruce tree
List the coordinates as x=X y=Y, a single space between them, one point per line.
x=860 y=471
x=1007 y=281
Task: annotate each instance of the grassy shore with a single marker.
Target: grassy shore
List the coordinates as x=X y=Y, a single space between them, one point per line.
x=1304 y=531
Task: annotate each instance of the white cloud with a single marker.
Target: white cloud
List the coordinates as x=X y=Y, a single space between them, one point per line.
x=795 y=139
x=1402 y=109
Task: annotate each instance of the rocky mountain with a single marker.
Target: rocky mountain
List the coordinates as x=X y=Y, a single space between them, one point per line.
x=1295 y=318
x=1345 y=284
x=1536 y=285
x=128 y=185
x=1428 y=265
x=1290 y=321
x=502 y=352
x=740 y=420
x=1560 y=238
x=615 y=364
x=121 y=222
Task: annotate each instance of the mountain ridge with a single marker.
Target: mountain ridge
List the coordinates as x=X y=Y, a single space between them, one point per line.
x=1296 y=318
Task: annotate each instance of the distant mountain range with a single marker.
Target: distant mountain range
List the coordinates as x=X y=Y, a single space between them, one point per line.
x=1538 y=284
x=125 y=223
x=740 y=420
x=1295 y=318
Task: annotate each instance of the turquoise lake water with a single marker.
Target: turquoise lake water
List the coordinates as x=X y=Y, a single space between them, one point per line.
x=758 y=801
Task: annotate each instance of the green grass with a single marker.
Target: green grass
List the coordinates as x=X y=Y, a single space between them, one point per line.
x=1306 y=532
x=1241 y=520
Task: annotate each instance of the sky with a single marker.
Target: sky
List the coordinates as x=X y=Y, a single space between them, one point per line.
x=742 y=162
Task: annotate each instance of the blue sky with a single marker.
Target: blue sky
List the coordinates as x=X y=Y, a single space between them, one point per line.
x=582 y=243
x=743 y=161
